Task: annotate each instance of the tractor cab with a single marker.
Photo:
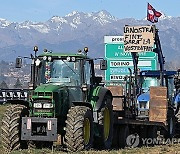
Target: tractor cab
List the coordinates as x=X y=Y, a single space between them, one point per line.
x=148 y=79
x=59 y=78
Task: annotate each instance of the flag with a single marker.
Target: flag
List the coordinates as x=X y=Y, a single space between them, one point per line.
x=152 y=14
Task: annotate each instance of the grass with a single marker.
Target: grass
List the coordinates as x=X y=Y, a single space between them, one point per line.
x=163 y=149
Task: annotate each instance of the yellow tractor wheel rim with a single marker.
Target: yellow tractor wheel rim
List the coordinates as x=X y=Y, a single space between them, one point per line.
x=87 y=131
x=106 y=123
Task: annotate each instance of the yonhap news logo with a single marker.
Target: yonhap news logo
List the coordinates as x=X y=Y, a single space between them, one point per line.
x=134 y=140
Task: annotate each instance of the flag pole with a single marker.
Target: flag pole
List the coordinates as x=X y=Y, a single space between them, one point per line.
x=147 y=11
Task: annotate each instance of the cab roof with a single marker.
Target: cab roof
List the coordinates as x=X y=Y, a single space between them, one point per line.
x=59 y=55
x=154 y=73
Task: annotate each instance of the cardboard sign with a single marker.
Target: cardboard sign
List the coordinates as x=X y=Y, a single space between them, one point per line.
x=139 y=38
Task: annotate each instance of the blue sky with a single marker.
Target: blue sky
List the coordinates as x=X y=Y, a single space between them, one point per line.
x=42 y=10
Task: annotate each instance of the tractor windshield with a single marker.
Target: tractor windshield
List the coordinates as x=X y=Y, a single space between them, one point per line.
x=147 y=82
x=60 y=72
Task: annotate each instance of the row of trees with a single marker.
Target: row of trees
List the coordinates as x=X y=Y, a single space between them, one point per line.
x=17 y=85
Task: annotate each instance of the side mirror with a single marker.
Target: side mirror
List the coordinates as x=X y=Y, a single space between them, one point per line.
x=103 y=64
x=98 y=79
x=18 y=62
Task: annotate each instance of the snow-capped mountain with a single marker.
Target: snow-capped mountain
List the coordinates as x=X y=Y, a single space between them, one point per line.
x=77 y=30
x=4 y=23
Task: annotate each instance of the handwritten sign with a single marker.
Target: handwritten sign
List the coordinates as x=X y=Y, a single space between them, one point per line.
x=138 y=38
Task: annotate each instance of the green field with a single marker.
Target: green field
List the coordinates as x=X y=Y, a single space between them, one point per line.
x=171 y=149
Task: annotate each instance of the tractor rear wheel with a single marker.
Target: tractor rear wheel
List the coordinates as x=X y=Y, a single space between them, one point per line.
x=152 y=133
x=171 y=124
x=123 y=134
x=11 y=127
x=79 y=129
x=171 y=127
x=105 y=124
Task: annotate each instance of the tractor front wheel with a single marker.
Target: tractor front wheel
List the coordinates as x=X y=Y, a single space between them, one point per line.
x=11 y=127
x=79 y=129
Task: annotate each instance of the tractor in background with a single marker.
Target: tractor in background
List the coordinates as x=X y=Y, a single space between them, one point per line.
x=177 y=89
x=177 y=100
x=155 y=91
x=6 y=95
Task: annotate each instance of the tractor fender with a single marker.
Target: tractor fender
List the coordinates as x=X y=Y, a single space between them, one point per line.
x=22 y=102
x=101 y=94
x=83 y=104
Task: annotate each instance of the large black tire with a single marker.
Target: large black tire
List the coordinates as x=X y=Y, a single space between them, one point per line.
x=115 y=140
x=79 y=129
x=105 y=129
x=177 y=114
x=11 y=127
x=152 y=134
x=143 y=134
x=171 y=127
x=123 y=134
x=171 y=120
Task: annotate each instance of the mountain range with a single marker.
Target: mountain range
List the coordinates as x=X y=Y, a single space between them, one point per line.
x=77 y=30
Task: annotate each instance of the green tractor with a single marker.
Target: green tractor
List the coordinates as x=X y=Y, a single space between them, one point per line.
x=66 y=105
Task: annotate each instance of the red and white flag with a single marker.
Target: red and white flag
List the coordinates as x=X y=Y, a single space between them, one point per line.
x=152 y=14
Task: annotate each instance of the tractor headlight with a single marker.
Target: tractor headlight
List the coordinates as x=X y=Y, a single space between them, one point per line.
x=147 y=105
x=47 y=105
x=73 y=59
x=44 y=58
x=49 y=58
x=37 y=105
x=144 y=104
x=68 y=58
